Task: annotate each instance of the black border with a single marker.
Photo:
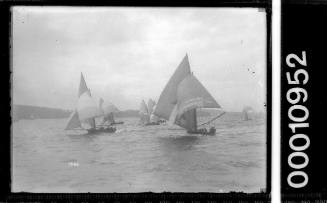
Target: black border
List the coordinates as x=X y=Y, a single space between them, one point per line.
x=301 y=31
x=5 y=141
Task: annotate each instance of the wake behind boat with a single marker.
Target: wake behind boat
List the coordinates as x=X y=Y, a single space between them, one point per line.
x=182 y=96
x=83 y=118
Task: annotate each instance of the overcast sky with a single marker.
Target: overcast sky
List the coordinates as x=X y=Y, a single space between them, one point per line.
x=128 y=54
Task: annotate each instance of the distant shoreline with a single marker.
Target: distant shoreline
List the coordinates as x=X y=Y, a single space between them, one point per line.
x=30 y=112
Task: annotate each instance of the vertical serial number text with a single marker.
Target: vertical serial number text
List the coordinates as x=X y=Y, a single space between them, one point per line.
x=298 y=114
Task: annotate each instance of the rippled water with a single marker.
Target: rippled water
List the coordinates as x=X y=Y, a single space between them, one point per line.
x=137 y=159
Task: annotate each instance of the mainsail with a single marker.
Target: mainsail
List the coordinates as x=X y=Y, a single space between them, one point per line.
x=182 y=96
x=191 y=94
x=87 y=108
x=168 y=98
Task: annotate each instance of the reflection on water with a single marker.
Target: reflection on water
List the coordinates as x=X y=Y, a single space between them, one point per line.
x=136 y=159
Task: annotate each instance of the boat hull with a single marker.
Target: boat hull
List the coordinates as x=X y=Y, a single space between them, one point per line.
x=101 y=130
x=117 y=123
x=152 y=123
x=203 y=132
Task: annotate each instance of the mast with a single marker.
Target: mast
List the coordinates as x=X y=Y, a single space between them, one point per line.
x=195 y=120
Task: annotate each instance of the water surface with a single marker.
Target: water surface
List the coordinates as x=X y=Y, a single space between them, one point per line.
x=137 y=159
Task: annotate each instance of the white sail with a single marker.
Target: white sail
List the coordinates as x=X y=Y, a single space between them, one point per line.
x=87 y=107
x=153 y=117
x=73 y=122
x=109 y=118
x=109 y=108
x=151 y=104
x=143 y=108
x=144 y=113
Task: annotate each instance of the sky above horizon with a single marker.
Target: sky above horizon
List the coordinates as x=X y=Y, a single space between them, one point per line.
x=129 y=54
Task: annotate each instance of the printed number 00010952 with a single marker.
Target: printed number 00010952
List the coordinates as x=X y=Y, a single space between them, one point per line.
x=294 y=96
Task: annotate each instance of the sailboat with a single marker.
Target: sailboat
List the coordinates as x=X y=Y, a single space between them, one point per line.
x=108 y=110
x=245 y=113
x=182 y=96
x=87 y=110
x=154 y=120
x=146 y=113
x=143 y=113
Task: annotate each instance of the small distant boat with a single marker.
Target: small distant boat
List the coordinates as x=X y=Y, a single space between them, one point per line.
x=246 y=113
x=108 y=110
x=83 y=117
x=143 y=113
x=182 y=96
x=146 y=113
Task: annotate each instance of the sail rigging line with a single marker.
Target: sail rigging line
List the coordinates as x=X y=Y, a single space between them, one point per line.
x=212 y=119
